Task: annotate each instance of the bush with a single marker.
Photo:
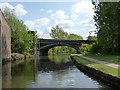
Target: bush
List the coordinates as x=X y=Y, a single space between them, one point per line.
x=85 y=48
x=96 y=48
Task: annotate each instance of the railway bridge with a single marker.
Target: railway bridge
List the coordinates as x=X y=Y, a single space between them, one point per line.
x=43 y=45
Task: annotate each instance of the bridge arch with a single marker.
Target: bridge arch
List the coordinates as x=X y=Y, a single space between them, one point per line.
x=44 y=50
x=43 y=45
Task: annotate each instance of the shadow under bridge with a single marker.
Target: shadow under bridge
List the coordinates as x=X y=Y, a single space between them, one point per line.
x=43 y=45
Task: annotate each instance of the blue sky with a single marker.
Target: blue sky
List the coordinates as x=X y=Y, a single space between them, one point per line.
x=74 y=17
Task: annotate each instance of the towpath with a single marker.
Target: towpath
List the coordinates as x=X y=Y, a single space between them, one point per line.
x=98 y=61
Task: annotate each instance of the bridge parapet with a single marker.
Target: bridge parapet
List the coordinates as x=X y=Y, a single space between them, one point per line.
x=66 y=41
x=45 y=44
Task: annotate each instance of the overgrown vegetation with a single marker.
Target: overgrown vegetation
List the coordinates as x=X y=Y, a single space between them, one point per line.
x=21 y=39
x=107 y=22
x=86 y=48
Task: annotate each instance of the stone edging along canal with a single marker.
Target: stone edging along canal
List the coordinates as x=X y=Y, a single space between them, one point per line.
x=108 y=79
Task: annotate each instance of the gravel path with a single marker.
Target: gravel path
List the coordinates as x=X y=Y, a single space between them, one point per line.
x=101 y=62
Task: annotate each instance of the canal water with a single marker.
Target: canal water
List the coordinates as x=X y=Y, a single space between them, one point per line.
x=49 y=72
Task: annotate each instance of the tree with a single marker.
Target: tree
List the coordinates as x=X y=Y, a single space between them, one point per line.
x=92 y=38
x=107 y=22
x=57 y=32
x=21 y=40
x=74 y=37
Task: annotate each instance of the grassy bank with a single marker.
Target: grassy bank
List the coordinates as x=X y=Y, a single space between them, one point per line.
x=101 y=67
x=105 y=57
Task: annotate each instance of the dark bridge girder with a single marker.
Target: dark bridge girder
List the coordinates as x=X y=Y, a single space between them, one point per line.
x=44 y=51
x=45 y=44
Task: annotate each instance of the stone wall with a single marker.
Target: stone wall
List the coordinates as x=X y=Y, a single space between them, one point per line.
x=5 y=35
x=5 y=46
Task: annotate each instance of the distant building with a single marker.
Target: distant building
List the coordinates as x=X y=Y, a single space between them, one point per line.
x=5 y=38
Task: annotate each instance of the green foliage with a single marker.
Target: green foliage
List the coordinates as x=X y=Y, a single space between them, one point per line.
x=74 y=37
x=59 y=58
x=95 y=48
x=92 y=38
x=58 y=32
x=61 y=50
x=21 y=40
x=85 y=48
x=107 y=22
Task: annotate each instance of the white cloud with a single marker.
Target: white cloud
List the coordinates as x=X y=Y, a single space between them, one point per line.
x=39 y=26
x=41 y=10
x=82 y=14
x=59 y=15
x=18 y=9
x=49 y=29
x=84 y=32
x=87 y=24
x=50 y=11
x=85 y=21
x=90 y=26
x=30 y=23
x=74 y=16
x=5 y=5
x=65 y=23
x=47 y=11
x=60 y=18
x=82 y=7
x=37 y=23
x=68 y=30
x=79 y=22
x=73 y=23
x=46 y=36
x=41 y=34
x=42 y=21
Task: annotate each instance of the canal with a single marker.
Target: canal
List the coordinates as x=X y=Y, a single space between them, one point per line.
x=54 y=71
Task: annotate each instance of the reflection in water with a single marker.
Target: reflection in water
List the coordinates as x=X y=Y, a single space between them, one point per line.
x=6 y=75
x=52 y=73
x=22 y=74
x=61 y=58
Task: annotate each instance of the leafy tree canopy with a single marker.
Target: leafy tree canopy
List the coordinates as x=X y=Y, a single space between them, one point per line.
x=107 y=22
x=58 y=32
x=21 y=39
